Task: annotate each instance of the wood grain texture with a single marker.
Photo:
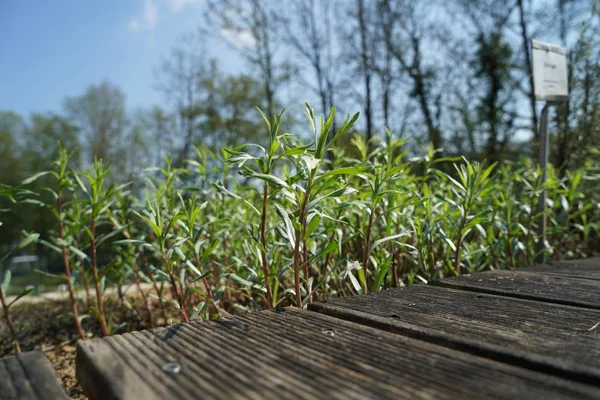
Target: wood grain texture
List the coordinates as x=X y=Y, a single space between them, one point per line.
x=546 y=337
x=583 y=269
x=592 y=261
x=299 y=354
x=530 y=285
x=29 y=376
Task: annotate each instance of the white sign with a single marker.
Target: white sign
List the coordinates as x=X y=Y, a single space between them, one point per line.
x=550 y=79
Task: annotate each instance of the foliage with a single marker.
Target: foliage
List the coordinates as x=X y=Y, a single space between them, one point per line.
x=295 y=227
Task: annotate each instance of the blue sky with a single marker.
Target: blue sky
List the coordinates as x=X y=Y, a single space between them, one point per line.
x=50 y=49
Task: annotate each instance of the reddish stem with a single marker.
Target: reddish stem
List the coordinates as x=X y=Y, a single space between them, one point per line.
x=206 y=283
x=177 y=293
x=65 y=258
x=263 y=240
x=297 y=253
x=9 y=322
x=86 y=283
x=94 y=261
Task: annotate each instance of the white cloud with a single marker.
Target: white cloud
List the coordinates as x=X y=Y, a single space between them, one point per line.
x=178 y=5
x=147 y=19
x=150 y=11
x=134 y=25
x=238 y=38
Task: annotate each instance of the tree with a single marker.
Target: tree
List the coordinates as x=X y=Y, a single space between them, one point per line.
x=42 y=136
x=528 y=66
x=576 y=124
x=161 y=127
x=494 y=64
x=100 y=115
x=231 y=117
x=404 y=25
x=181 y=78
x=365 y=65
x=249 y=26
x=11 y=173
x=307 y=31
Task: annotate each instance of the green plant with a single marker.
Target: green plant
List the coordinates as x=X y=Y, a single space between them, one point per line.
x=29 y=238
x=472 y=183
x=294 y=225
x=97 y=198
x=62 y=244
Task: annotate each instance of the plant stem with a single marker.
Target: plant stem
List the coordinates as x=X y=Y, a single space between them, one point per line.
x=297 y=253
x=457 y=254
x=528 y=243
x=99 y=300
x=9 y=322
x=65 y=258
x=86 y=283
x=263 y=241
x=306 y=271
x=368 y=250
x=145 y=296
x=206 y=284
x=176 y=292
x=158 y=290
x=136 y=277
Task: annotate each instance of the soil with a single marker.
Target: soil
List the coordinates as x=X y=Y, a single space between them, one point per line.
x=48 y=326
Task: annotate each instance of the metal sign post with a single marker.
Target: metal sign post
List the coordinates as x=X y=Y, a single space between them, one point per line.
x=550 y=82
x=544 y=147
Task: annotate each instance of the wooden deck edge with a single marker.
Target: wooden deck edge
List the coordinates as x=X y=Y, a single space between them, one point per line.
x=93 y=361
x=39 y=376
x=517 y=295
x=517 y=358
x=593 y=260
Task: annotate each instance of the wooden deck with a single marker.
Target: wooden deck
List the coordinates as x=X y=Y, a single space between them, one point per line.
x=29 y=376
x=532 y=333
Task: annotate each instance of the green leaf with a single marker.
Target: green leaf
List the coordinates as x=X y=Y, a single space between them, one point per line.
x=354 y=282
x=209 y=251
x=312 y=225
x=187 y=261
x=50 y=246
x=32 y=237
x=387 y=239
x=197 y=310
x=6 y=281
x=20 y=295
x=159 y=272
x=157 y=230
x=134 y=242
x=450 y=243
x=52 y=276
x=332 y=246
x=244 y=282
x=223 y=190
x=289 y=226
x=72 y=248
x=81 y=184
x=272 y=179
x=383 y=269
x=34 y=177
x=342 y=171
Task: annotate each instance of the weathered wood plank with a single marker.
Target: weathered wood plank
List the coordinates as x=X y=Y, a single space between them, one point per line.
x=530 y=285
x=7 y=386
x=592 y=261
x=299 y=354
x=29 y=376
x=583 y=269
x=552 y=338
